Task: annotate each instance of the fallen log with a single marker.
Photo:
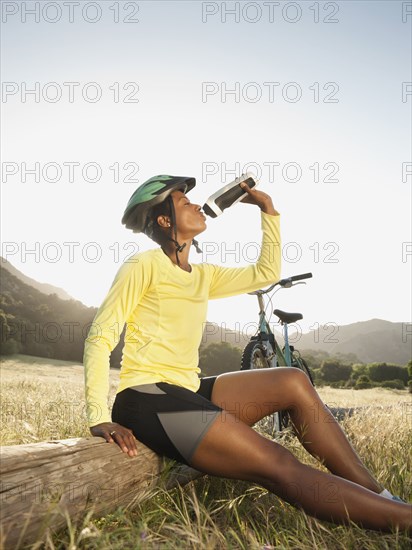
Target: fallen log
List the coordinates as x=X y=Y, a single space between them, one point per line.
x=44 y=483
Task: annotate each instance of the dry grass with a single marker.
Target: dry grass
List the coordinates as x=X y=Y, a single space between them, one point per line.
x=361 y=398
x=42 y=400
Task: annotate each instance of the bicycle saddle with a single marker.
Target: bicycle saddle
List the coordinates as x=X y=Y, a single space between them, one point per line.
x=287 y=317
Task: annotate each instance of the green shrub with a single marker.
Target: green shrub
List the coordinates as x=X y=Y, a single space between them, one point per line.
x=395 y=384
x=10 y=347
x=378 y=372
x=338 y=384
x=334 y=371
x=316 y=375
x=220 y=357
x=358 y=369
x=363 y=382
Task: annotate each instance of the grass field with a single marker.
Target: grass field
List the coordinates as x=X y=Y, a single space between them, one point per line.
x=44 y=399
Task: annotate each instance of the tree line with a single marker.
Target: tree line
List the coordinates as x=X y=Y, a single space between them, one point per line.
x=34 y=323
x=361 y=376
x=44 y=325
x=342 y=371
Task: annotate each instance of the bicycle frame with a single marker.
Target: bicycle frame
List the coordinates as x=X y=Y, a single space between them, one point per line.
x=288 y=356
x=264 y=349
x=277 y=358
x=275 y=355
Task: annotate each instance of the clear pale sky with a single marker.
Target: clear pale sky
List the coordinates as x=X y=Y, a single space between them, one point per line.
x=326 y=89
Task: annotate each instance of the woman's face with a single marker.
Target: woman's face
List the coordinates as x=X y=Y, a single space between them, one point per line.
x=190 y=220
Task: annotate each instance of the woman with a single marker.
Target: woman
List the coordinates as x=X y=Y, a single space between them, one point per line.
x=206 y=422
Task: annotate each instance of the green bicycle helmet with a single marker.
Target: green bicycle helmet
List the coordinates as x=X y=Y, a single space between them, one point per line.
x=155 y=190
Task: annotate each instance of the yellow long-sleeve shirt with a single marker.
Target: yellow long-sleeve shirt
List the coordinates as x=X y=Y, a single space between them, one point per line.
x=164 y=308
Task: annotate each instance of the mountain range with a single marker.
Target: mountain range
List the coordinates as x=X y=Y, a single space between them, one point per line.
x=373 y=340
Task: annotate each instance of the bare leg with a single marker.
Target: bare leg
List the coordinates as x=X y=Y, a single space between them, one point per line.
x=252 y=395
x=233 y=449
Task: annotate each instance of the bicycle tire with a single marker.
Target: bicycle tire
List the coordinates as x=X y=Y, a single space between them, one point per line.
x=307 y=370
x=301 y=364
x=251 y=352
x=253 y=357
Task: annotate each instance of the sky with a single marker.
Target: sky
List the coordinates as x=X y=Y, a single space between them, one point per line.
x=314 y=98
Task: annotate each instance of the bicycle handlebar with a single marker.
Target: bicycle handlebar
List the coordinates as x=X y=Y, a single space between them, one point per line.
x=284 y=282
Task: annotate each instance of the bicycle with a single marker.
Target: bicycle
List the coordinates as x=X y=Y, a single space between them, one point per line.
x=263 y=351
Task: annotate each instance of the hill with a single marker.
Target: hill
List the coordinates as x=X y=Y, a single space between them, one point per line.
x=370 y=341
x=34 y=322
x=42 y=287
x=39 y=324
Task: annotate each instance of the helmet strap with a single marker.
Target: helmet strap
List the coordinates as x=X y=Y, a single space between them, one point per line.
x=179 y=247
x=196 y=244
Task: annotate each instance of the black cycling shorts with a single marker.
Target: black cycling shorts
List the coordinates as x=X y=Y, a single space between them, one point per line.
x=169 y=419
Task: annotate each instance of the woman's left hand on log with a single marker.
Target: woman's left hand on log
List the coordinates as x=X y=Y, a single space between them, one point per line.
x=115 y=433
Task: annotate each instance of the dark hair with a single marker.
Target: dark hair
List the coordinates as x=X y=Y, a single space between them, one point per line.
x=153 y=229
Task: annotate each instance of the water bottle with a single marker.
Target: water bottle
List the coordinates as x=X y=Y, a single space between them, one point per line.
x=228 y=195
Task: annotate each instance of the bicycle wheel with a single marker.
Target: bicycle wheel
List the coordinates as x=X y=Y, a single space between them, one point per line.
x=301 y=364
x=254 y=356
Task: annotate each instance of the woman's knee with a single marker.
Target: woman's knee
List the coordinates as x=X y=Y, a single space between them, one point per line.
x=296 y=381
x=297 y=390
